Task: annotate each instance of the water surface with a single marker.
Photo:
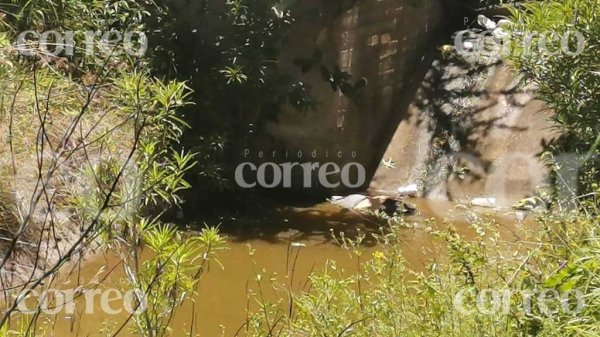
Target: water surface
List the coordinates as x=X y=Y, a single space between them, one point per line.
x=263 y=246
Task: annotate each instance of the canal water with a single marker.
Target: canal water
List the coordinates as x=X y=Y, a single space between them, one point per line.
x=221 y=305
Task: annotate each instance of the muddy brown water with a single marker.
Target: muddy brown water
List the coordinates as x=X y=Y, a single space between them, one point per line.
x=221 y=304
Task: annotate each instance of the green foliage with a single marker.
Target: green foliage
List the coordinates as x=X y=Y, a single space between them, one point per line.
x=109 y=138
x=44 y=15
x=161 y=166
x=88 y=21
x=384 y=297
x=5 y=63
x=19 y=330
x=171 y=275
x=228 y=53
x=569 y=84
x=155 y=174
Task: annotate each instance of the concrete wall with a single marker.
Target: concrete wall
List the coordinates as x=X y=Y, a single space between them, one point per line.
x=474 y=130
x=383 y=41
x=459 y=128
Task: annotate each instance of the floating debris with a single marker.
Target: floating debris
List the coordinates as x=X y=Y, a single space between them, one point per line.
x=484 y=202
x=409 y=190
x=530 y=204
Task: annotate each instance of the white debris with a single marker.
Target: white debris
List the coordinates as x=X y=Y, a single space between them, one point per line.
x=349 y=201
x=409 y=190
x=486 y=23
x=468 y=45
x=484 y=202
x=499 y=35
x=365 y=204
x=520 y=216
x=279 y=12
x=503 y=23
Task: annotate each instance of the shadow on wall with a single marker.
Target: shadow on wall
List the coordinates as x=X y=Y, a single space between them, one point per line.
x=475 y=129
x=331 y=75
x=369 y=61
x=340 y=79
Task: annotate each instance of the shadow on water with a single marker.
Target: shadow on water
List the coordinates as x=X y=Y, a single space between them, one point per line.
x=284 y=223
x=259 y=243
x=279 y=222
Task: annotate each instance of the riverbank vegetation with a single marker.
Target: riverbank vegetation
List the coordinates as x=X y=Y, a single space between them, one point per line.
x=96 y=149
x=90 y=159
x=543 y=283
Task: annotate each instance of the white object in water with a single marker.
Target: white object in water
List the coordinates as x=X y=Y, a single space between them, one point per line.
x=409 y=190
x=484 y=202
x=468 y=45
x=365 y=204
x=486 y=23
x=350 y=201
x=520 y=216
x=499 y=34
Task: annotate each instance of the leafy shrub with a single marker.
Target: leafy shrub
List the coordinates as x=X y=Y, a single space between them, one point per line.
x=384 y=297
x=93 y=157
x=568 y=82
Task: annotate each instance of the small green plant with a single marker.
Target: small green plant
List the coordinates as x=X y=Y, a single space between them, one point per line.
x=165 y=280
